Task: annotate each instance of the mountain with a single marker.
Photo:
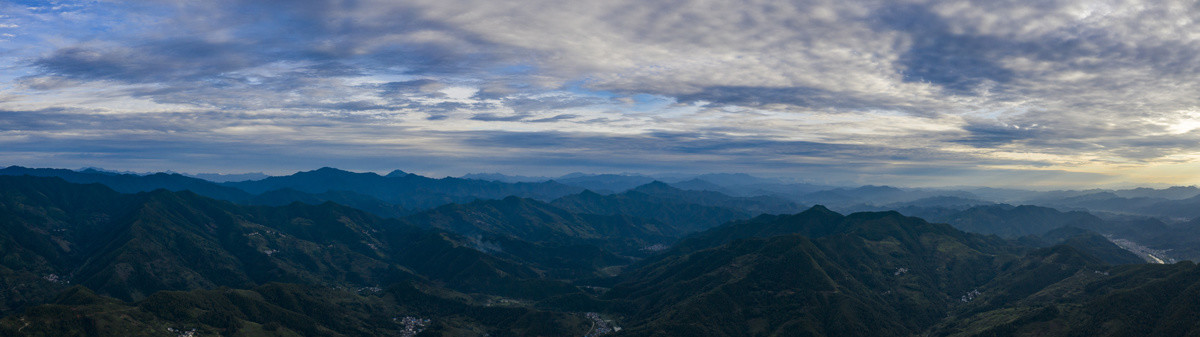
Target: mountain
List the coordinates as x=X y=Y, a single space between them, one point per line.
x=227 y=177
x=534 y=221
x=871 y=197
x=1172 y=193
x=846 y=196
x=937 y=208
x=1179 y=241
x=880 y=274
x=278 y=309
x=1166 y=204
x=942 y=201
x=1009 y=221
x=700 y=185
x=744 y=185
x=1147 y=236
x=405 y=190
x=604 y=182
x=679 y=213
x=819 y=273
x=1082 y=299
x=753 y=205
x=686 y=211
x=735 y=179
x=816 y=221
x=133 y=183
x=130 y=246
x=1086 y=241
x=504 y=178
x=363 y=202
x=874 y=195
x=85 y=259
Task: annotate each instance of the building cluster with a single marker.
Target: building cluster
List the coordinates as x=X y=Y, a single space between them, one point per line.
x=600 y=327
x=970 y=295
x=412 y=325
x=183 y=333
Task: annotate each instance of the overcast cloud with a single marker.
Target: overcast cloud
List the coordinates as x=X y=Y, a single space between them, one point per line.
x=900 y=92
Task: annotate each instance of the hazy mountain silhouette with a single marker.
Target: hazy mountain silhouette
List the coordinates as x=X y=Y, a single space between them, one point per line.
x=408 y=191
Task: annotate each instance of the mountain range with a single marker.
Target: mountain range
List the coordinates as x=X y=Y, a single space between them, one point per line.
x=116 y=254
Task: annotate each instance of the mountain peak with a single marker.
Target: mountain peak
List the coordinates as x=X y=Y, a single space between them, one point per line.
x=590 y=193
x=878 y=189
x=655 y=186
x=330 y=171
x=819 y=209
x=396 y=173
x=95 y=170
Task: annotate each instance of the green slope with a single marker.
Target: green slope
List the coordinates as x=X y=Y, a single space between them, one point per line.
x=535 y=221
x=878 y=274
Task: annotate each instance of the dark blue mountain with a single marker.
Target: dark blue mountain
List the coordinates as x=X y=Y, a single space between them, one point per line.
x=406 y=190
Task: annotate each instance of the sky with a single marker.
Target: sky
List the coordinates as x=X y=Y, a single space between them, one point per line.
x=1049 y=93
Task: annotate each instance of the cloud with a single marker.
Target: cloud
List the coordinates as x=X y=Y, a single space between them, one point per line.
x=45 y=82
x=957 y=62
x=889 y=87
x=554 y=118
x=488 y=117
x=165 y=61
x=421 y=86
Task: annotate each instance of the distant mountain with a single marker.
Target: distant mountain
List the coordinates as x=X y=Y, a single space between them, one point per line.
x=864 y=197
x=1180 y=241
x=92 y=169
x=687 y=211
x=936 y=208
x=754 y=205
x=406 y=190
x=876 y=194
x=744 y=185
x=133 y=183
x=943 y=201
x=227 y=177
x=364 y=202
x=687 y=217
x=816 y=221
x=504 y=178
x=1157 y=207
x=1173 y=192
x=1151 y=235
x=736 y=179
x=1104 y=199
x=793 y=192
x=1170 y=203
x=1016 y=221
x=1088 y=242
x=609 y=183
x=535 y=221
x=700 y=185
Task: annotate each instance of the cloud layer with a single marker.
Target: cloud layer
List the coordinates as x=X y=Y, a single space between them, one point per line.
x=908 y=92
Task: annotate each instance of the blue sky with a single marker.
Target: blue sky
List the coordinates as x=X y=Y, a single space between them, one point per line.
x=922 y=93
